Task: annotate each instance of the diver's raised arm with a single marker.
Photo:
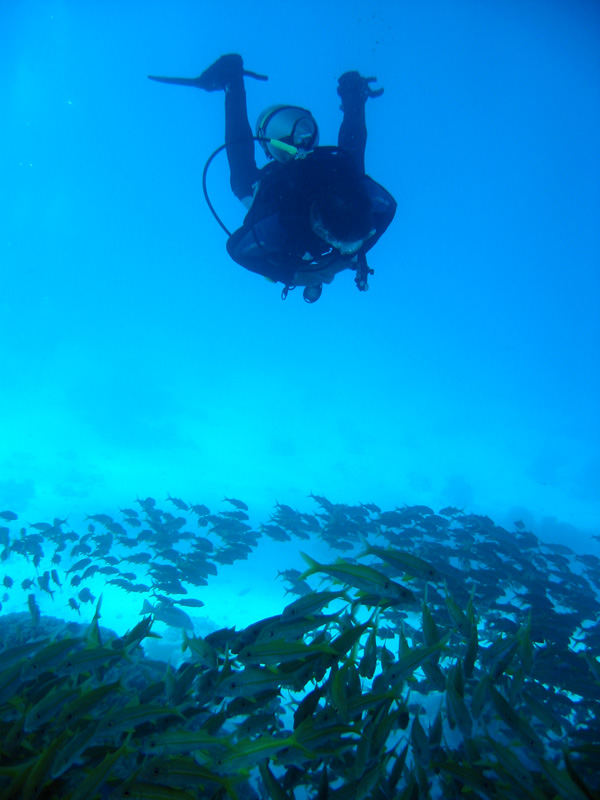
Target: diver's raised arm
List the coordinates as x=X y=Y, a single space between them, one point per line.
x=354 y=91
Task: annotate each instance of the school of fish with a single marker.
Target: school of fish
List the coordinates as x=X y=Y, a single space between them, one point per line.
x=439 y=655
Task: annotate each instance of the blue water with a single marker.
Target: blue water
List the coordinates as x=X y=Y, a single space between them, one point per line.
x=137 y=359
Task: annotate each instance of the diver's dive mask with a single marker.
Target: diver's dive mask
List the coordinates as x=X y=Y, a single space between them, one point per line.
x=292 y=125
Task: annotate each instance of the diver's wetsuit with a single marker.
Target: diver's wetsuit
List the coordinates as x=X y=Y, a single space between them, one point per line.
x=276 y=239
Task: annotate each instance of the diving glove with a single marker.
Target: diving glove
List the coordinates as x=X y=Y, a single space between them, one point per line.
x=352 y=87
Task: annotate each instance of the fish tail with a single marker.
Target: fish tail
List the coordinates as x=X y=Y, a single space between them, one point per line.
x=367 y=551
x=313 y=565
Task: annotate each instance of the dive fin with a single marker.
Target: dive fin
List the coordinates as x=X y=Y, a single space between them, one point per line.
x=178 y=81
x=255 y=75
x=200 y=81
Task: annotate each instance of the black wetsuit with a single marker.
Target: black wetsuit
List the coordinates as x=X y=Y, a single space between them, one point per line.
x=276 y=239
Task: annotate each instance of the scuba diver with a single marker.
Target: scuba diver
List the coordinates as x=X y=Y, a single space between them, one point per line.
x=312 y=211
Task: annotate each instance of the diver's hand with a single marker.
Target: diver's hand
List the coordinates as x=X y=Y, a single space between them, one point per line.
x=353 y=87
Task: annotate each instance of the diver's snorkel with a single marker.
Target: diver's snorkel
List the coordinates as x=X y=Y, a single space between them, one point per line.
x=295 y=152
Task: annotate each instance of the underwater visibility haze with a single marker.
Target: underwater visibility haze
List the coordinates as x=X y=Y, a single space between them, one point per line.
x=252 y=547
